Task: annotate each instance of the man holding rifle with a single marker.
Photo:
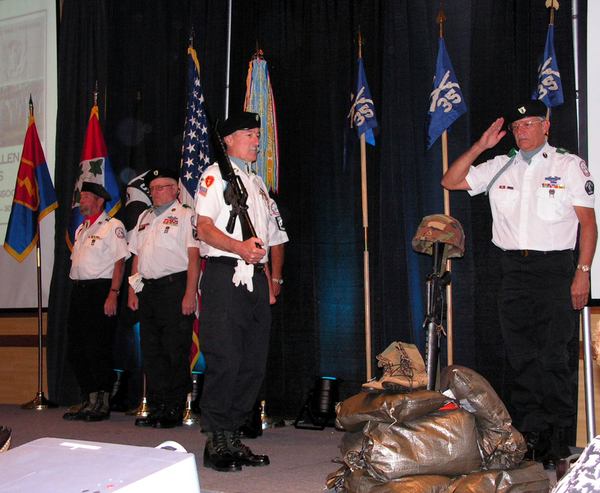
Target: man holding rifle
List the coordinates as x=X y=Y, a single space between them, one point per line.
x=237 y=224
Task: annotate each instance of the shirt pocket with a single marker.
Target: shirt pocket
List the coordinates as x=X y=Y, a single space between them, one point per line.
x=550 y=203
x=505 y=200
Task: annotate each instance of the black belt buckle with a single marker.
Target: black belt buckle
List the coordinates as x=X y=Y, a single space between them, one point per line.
x=259 y=268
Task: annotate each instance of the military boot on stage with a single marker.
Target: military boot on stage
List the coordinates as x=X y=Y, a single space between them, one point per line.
x=217 y=455
x=100 y=410
x=154 y=416
x=242 y=453
x=77 y=411
x=403 y=369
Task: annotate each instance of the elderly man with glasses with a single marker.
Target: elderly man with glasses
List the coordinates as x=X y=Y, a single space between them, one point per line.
x=163 y=290
x=542 y=202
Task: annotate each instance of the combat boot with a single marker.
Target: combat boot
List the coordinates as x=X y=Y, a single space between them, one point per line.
x=100 y=411
x=403 y=369
x=385 y=361
x=217 y=455
x=408 y=372
x=172 y=417
x=242 y=453
x=77 y=411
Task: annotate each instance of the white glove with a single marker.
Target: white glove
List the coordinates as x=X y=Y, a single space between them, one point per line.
x=243 y=275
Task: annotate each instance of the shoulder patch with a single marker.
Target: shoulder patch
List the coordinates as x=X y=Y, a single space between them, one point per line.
x=584 y=169
x=562 y=151
x=589 y=187
x=185 y=206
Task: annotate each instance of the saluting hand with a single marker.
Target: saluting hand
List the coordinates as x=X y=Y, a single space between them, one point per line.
x=492 y=135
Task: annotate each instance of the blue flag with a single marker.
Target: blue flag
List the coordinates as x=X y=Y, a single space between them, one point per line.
x=549 y=84
x=195 y=155
x=361 y=117
x=34 y=197
x=446 y=102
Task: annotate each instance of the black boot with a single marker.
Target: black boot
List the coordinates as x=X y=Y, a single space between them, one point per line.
x=242 y=453
x=252 y=428
x=77 y=412
x=153 y=417
x=100 y=411
x=537 y=443
x=172 y=417
x=557 y=450
x=216 y=454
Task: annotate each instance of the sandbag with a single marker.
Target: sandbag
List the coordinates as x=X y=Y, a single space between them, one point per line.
x=501 y=445
x=357 y=411
x=361 y=482
x=529 y=478
x=440 y=443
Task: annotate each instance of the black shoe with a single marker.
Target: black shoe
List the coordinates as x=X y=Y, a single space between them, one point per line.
x=100 y=411
x=216 y=454
x=172 y=417
x=152 y=418
x=243 y=454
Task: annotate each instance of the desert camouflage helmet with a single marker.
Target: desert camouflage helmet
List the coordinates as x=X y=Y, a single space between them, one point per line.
x=443 y=229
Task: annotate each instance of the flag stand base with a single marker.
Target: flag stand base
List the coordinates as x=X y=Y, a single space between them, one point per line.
x=141 y=411
x=39 y=403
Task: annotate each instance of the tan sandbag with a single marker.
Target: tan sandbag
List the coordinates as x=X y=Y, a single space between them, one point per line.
x=502 y=446
x=441 y=443
x=529 y=478
x=361 y=482
x=355 y=412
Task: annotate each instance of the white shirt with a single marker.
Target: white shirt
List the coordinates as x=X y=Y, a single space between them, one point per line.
x=533 y=205
x=161 y=242
x=262 y=210
x=97 y=248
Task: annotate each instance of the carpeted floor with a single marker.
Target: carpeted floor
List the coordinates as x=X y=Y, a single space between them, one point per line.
x=300 y=458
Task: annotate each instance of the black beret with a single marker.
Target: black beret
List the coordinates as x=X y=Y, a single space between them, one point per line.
x=533 y=107
x=155 y=173
x=239 y=121
x=96 y=189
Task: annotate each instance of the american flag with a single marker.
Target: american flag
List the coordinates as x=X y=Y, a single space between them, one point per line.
x=195 y=153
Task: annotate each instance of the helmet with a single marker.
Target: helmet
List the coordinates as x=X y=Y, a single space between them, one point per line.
x=443 y=229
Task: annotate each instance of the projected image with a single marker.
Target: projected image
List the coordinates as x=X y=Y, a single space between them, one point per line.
x=22 y=73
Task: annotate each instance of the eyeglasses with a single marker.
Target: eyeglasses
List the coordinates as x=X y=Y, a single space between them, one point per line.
x=513 y=127
x=159 y=188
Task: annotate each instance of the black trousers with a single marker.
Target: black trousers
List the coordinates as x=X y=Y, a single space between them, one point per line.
x=165 y=340
x=90 y=336
x=234 y=339
x=538 y=321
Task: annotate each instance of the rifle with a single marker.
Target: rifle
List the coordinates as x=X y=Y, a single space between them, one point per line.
x=435 y=312
x=235 y=193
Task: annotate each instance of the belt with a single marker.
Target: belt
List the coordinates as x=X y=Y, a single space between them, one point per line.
x=163 y=281
x=82 y=283
x=232 y=262
x=534 y=253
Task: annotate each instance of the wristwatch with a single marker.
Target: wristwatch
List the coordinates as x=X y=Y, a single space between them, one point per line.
x=583 y=268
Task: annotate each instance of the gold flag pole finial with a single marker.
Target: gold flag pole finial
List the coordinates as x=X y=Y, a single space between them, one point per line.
x=96 y=94
x=441 y=18
x=30 y=106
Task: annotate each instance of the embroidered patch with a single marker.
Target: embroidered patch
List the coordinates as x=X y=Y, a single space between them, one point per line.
x=120 y=232
x=589 y=187
x=274 y=209
x=584 y=169
x=209 y=181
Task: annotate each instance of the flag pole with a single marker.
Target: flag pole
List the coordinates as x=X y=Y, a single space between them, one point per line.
x=441 y=18
x=229 y=10
x=363 y=172
x=39 y=403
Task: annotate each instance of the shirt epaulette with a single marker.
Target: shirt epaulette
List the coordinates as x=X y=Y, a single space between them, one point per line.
x=562 y=151
x=185 y=206
x=513 y=152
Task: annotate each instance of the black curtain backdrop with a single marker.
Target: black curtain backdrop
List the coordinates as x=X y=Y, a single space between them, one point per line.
x=311 y=47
